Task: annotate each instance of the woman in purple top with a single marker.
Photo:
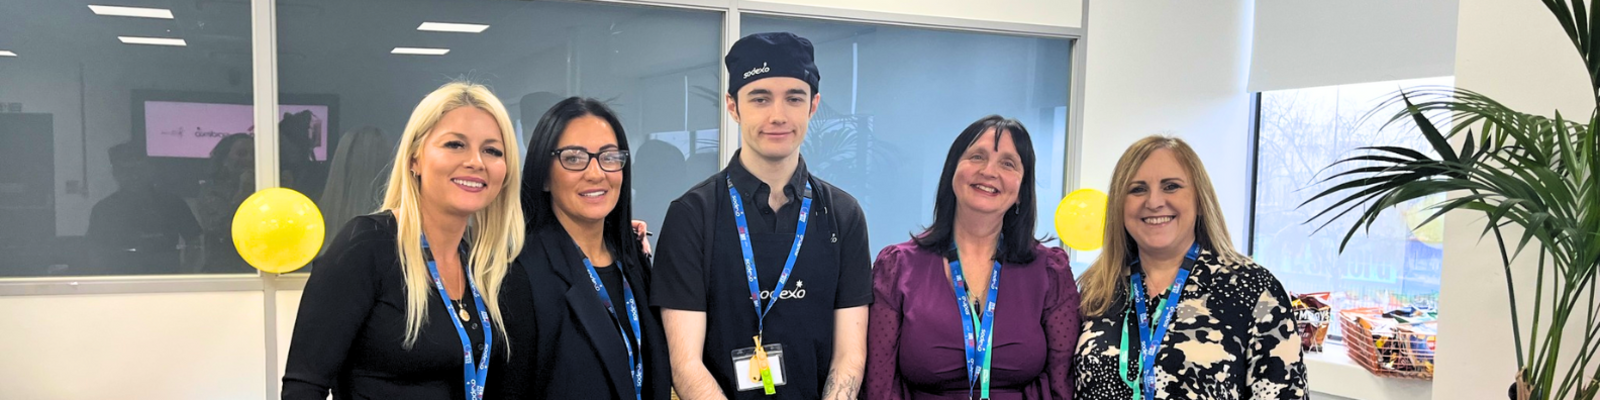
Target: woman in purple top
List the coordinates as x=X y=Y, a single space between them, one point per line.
x=943 y=324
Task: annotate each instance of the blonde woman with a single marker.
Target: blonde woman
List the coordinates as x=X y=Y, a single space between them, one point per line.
x=1170 y=309
x=401 y=295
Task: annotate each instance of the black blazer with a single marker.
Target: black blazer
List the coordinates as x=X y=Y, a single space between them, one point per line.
x=348 y=336
x=572 y=346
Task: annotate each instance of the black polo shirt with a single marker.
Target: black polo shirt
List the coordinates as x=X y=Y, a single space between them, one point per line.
x=680 y=259
x=699 y=267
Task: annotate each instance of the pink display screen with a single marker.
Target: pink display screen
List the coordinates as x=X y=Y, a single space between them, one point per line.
x=190 y=130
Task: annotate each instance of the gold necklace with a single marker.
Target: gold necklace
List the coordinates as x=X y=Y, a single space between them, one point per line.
x=461 y=310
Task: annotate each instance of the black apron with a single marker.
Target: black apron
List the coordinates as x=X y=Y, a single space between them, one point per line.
x=802 y=321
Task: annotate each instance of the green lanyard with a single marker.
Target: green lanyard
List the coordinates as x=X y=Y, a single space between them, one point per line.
x=1123 y=372
x=988 y=360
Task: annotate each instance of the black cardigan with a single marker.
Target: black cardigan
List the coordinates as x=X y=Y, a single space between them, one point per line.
x=351 y=323
x=571 y=346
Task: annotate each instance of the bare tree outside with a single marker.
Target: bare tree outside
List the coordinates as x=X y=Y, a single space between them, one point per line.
x=1301 y=132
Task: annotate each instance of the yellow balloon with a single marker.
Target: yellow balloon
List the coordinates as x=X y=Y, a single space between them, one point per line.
x=1081 y=219
x=278 y=230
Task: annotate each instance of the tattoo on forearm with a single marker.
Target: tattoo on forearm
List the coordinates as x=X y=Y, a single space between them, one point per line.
x=841 y=387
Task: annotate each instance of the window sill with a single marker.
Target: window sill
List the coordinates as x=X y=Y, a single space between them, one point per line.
x=1332 y=372
x=138 y=284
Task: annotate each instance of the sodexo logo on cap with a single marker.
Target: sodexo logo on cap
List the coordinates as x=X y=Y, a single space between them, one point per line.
x=769 y=55
x=757 y=71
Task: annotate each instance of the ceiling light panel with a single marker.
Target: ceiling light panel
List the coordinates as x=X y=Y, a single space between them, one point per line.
x=419 y=51
x=451 y=27
x=152 y=41
x=139 y=12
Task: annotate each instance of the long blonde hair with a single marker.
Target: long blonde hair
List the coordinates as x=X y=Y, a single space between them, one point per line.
x=495 y=232
x=1099 y=284
x=354 y=181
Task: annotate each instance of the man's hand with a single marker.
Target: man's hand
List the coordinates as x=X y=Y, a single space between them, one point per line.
x=849 y=354
x=641 y=230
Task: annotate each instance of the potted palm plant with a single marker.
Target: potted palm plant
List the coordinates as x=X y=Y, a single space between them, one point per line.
x=1540 y=175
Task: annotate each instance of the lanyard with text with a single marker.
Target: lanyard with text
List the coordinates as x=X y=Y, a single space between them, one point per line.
x=980 y=347
x=749 y=255
x=1150 y=339
x=759 y=361
x=635 y=363
x=476 y=375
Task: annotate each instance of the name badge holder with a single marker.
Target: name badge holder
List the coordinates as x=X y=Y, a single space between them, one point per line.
x=745 y=357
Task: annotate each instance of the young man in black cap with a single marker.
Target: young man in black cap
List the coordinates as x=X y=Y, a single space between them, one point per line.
x=762 y=272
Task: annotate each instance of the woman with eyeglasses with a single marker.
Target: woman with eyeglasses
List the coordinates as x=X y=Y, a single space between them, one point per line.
x=584 y=330
x=974 y=306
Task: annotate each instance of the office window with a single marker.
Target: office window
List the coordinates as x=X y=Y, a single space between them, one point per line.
x=658 y=68
x=1302 y=131
x=893 y=99
x=109 y=119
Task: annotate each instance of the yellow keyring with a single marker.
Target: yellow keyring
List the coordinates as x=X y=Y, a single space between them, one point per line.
x=758 y=362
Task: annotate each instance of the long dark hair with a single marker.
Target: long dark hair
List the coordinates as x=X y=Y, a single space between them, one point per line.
x=536 y=205
x=219 y=157
x=1016 y=228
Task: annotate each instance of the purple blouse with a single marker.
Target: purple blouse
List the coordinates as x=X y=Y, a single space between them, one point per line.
x=914 y=346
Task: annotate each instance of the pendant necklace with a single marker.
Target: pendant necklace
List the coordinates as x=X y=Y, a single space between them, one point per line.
x=461 y=311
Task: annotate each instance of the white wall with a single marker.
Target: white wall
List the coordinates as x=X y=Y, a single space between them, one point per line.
x=1532 y=68
x=1171 y=68
x=288 y=307
x=1064 y=13
x=142 y=346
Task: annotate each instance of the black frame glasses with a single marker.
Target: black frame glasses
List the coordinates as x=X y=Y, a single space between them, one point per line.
x=587 y=156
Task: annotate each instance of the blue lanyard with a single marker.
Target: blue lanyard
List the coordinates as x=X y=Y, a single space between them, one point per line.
x=1150 y=342
x=475 y=375
x=749 y=255
x=979 y=348
x=635 y=364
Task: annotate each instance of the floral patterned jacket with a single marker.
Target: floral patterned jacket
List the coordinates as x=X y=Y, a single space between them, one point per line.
x=1233 y=337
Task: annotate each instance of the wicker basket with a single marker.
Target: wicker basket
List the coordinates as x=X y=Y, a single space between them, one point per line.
x=1396 y=351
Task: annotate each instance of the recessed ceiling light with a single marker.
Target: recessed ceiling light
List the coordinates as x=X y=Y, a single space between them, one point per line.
x=7 y=53
x=140 y=12
x=419 y=51
x=451 y=27
x=152 y=41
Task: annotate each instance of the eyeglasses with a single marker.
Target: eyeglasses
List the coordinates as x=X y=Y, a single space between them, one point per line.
x=573 y=159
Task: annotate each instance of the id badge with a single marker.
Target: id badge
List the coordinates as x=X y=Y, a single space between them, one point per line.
x=741 y=366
